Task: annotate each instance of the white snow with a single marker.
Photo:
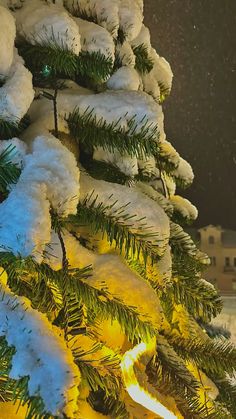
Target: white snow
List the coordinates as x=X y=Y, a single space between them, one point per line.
x=95 y=38
x=184 y=207
x=126 y=164
x=131 y=18
x=105 y=12
x=125 y=54
x=156 y=196
x=143 y=38
x=17 y=93
x=7 y=36
x=41 y=23
x=50 y=174
x=151 y=86
x=125 y=78
x=148 y=166
x=168 y=151
x=111 y=273
x=41 y=354
x=27 y=203
x=161 y=70
x=155 y=219
x=184 y=172
x=169 y=183
x=109 y=105
x=122 y=105
x=53 y=165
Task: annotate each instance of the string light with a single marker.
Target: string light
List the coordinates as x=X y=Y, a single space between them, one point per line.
x=139 y=394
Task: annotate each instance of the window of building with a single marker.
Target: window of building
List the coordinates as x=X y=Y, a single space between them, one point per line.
x=234 y=284
x=213 y=260
x=227 y=261
x=211 y=240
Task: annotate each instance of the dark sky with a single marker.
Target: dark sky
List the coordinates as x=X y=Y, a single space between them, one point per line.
x=198 y=38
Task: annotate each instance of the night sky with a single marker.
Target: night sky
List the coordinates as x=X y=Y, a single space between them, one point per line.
x=198 y=38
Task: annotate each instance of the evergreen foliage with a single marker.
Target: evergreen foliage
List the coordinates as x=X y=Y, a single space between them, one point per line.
x=63 y=63
x=10 y=129
x=143 y=63
x=76 y=307
x=9 y=172
x=91 y=131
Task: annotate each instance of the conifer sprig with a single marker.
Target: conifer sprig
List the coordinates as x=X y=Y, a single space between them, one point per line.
x=62 y=62
x=131 y=236
x=101 y=373
x=143 y=63
x=9 y=172
x=201 y=301
x=17 y=390
x=91 y=131
x=169 y=367
x=215 y=356
x=10 y=128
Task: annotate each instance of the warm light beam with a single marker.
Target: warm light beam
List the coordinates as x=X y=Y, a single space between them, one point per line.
x=139 y=394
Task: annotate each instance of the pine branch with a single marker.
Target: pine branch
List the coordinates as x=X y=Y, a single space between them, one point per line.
x=17 y=390
x=181 y=183
x=164 y=91
x=214 y=331
x=169 y=374
x=215 y=356
x=143 y=63
x=102 y=170
x=227 y=394
x=103 y=376
x=36 y=282
x=62 y=62
x=121 y=36
x=9 y=172
x=201 y=301
x=185 y=250
x=131 y=239
x=101 y=303
x=110 y=406
x=91 y=132
x=94 y=65
x=11 y=128
x=179 y=219
x=77 y=11
x=167 y=367
x=107 y=306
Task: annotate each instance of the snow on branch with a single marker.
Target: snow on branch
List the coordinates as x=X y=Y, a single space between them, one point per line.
x=40 y=353
x=50 y=176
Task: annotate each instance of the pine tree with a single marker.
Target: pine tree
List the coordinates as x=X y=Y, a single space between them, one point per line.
x=104 y=311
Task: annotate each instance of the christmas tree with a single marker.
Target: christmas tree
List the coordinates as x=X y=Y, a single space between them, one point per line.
x=104 y=312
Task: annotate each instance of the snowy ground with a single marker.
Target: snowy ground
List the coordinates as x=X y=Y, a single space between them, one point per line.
x=228 y=316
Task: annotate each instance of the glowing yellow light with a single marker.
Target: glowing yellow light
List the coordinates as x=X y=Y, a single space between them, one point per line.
x=136 y=392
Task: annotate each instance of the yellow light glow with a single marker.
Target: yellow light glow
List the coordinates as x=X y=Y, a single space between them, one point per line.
x=139 y=394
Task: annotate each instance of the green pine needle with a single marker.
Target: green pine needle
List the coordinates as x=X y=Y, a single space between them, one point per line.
x=63 y=62
x=91 y=131
x=9 y=172
x=143 y=63
x=131 y=235
x=215 y=356
x=10 y=129
x=201 y=301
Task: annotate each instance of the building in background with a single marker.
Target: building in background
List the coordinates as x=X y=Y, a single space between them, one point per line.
x=220 y=245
